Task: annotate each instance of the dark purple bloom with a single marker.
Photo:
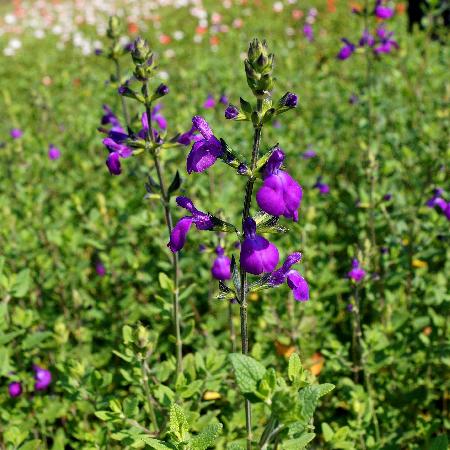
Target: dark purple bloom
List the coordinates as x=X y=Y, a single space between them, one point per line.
x=200 y=219
x=43 y=378
x=15 y=389
x=387 y=43
x=98 y=51
x=290 y=100
x=350 y=307
x=346 y=51
x=383 y=11
x=209 y=102
x=309 y=153
x=295 y=281
x=221 y=268
x=109 y=118
x=387 y=197
x=353 y=99
x=116 y=151
x=100 y=269
x=204 y=152
x=53 y=152
x=444 y=207
x=162 y=90
x=223 y=99
x=258 y=255
x=323 y=188
x=280 y=194
x=188 y=137
x=231 y=112
x=242 y=169
x=308 y=32
x=202 y=248
x=357 y=273
x=16 y=133
x=366 y=39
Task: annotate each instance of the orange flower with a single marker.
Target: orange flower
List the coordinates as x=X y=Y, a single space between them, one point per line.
x=165 y=39
x=201 y=30
x=297 y=14
x=400 y=8
x=427 y=331
x=214 y=40
x=133 y=27
x=331 y=6
x=317 y=362
x=284 y=350
x=356 y=6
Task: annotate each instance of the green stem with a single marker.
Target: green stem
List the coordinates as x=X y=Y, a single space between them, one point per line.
x=243 y=273
x=169 y=223
x=231 y=328
x=125 y=112
x=145 y=370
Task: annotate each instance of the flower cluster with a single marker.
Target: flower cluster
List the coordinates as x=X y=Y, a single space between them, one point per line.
x=380 y=42
x=357 y=273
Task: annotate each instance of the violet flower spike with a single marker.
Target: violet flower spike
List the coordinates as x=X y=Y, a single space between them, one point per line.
x=382 y=11
x=15 y=389
x=206 y=150
x=201 y=220
x=280 y=194
x=258 y=255
x=346 y=51
x=221 y=268
x=53 y=152
x=209 y=102
x=357 y=273
x=43 y=378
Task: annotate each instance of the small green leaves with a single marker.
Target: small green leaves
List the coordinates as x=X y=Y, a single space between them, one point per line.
x=298 y=443
x=165 y=282
x=246 y=107
x=295 y=367
x=206 y=438
x=248 y=372
x=178 y=424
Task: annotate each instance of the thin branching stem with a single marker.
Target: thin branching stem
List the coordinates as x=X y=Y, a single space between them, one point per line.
x=169 y=222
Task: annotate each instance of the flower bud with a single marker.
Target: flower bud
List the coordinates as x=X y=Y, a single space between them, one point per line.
x=143 y=336
x=140 y=52
x=258 y=68
x=231 y=112
x=289 y=100
x=161 y=90
x=113 y=30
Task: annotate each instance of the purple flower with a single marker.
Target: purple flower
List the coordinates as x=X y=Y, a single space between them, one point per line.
x=353 y=99
x=109 y=118
x=280 y=194
x=443 y=206
x=276 y=124
x=116 y=151
x=295 y=281
x=366 y=39
x=383 y=11
x=162 y=90
x=209 y=102
x=258 y=255
x=223 y=99
x=350 y=307
x=221 y=268
x=16 y=133
x=346 y=51
x=323 y=188
x=437 y=193
x=158 y=118
x=53 y=152
x=309 y=153
x=188 y=137
x=290 y=100
x=100 y=269
x=204 y=152
x=357 y=273
x=308 y=32
x=201 y=220
x=202 y=248
x=43 y=378
x=231 y=112
x=387 y=197
x=387 y=43
x=15 y=389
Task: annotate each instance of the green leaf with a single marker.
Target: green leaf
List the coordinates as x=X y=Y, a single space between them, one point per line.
x=21 y=284
x=175 y=185
x=165 y=282
x=246 y=106
x=439 y=443
x=31 y=445
x=8 y=337
x=309 y=397
x=33 y=340
x=130 y=407
x=248 y=372
x=327 y=432
x=299 y=443
x=105 y=415
x=295 y=367
x=154 y=443
x=207 y=437
x=178 y=424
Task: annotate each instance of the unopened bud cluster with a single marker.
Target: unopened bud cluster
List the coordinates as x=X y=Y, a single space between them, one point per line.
x=259 y=67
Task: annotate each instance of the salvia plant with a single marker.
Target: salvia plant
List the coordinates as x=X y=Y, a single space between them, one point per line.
x=277 y=195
